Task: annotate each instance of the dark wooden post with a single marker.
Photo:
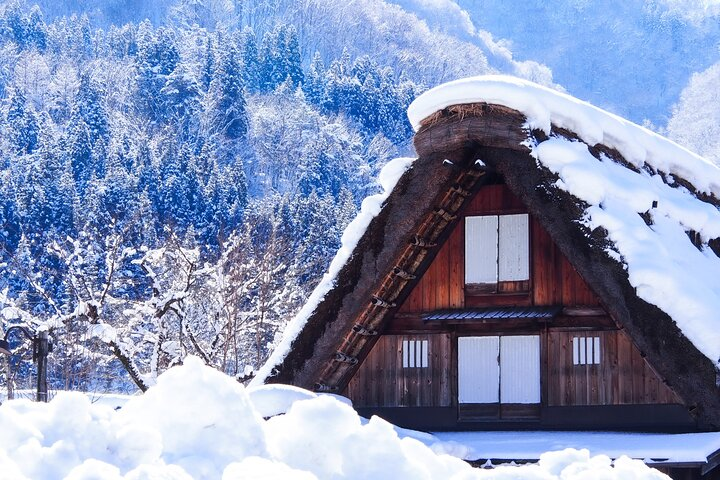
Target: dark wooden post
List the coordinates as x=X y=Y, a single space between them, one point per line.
x=42 y=346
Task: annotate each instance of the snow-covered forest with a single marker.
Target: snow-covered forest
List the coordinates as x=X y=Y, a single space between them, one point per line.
x=176 y=174
x=179 y=188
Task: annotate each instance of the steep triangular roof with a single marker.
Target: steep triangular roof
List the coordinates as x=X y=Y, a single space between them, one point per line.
x=635 y=214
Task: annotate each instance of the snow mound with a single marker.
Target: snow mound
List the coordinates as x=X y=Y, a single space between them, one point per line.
x=647 y=220
x=197 y=423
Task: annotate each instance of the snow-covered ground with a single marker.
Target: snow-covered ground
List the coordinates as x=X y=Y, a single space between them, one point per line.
x=199 y=423
x=654 y=448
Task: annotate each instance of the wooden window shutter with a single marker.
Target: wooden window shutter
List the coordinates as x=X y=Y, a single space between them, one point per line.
x=513 y=248
x=481 y=250
x=520 y=369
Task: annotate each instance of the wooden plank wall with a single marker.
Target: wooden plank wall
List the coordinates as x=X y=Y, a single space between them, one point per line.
x=553 y=280
x=622 y=377
x=382 y=381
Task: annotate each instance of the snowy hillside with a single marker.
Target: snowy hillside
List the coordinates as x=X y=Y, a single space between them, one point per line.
x=630 y=57
x=200 y=424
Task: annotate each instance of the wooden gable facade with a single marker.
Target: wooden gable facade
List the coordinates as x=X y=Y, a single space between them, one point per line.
x=456 y=355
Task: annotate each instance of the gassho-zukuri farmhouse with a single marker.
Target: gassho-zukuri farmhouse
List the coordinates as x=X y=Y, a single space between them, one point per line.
x=541 y=266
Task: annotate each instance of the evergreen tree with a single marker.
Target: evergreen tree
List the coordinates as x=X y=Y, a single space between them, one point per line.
x=291 y=60
x=225 y=101
x=22 y=124
x=89 y=106
x=208 y=66
x=157 y=58
x=180 y=99
x=280 y=58
x=343 y=88
x=314 y=82
x=16 y=24
x=36 y=31
x=79 y=149
x=248 y=51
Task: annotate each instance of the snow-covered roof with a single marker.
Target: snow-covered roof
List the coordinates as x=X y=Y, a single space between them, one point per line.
x=545 y=107
x=646 y=214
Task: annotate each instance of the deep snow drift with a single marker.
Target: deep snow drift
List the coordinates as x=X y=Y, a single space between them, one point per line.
x=199 y=423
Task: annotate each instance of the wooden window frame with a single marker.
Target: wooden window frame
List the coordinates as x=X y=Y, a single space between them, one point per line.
x=584 y=347
x=415 y=353
x=499 y=286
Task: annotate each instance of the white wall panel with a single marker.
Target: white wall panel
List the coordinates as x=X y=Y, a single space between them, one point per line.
x=481 y=249
x=520 y=369
x=478 y=369
x=514 y=248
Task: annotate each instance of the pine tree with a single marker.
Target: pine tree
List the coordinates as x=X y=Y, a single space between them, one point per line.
x=180 y=99
x=247 y=48
x=79 y=149
x=89 y=106
x=208 y=66
x=225 y=101
x=16 y=24
x=314 y=82
x=280 y=58
x=23 y=128
x=36 y=31
x=157 y=58
x=291 y=60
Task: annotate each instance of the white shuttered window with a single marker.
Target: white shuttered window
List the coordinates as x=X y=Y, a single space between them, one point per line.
x=586 y=350
x=513 y=248
x=481 y=249
x=497 y=249
x=415 y=353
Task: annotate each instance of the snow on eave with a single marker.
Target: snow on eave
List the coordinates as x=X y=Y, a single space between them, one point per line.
x=544 y=108
x=369 y=209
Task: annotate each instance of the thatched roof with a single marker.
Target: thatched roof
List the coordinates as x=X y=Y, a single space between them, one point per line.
x=541 y=143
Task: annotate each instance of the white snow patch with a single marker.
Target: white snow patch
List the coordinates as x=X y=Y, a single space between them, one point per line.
x=663 y=265
x=663 y=447
x=276 y=399
x=370 y=208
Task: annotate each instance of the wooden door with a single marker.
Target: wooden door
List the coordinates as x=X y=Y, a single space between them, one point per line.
x=498 y=377
x=478 y=370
